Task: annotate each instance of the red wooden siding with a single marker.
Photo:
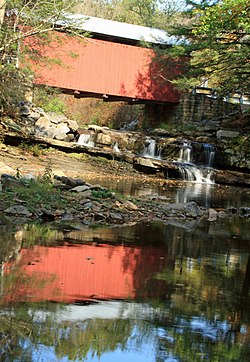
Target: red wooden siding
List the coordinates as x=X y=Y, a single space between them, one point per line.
x=103 y=68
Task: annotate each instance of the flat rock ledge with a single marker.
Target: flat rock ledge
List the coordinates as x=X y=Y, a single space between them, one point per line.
x=94 y=204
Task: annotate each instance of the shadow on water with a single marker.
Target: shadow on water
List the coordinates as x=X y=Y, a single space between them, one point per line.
x=147 y=292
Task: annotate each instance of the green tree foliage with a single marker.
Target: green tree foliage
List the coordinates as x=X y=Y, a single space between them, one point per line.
x=148 y=13
x=19 y=20
x=152 y=13
x=217 y=40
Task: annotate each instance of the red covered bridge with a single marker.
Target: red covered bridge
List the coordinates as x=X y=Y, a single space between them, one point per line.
x=109 y=65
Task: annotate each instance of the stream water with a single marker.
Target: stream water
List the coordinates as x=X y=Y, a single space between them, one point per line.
x=176 y=291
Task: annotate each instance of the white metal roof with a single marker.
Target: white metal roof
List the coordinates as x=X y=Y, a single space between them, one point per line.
x=117 y=29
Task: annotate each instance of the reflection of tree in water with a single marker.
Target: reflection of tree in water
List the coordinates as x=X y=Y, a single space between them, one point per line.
x=11 y=330
x=204 y=278
x=145 y=260
x=171 y=334
x=211 y=317
x=18 y=329
x=23 y=332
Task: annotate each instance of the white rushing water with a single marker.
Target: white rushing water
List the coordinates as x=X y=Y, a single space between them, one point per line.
x=192 y=172
x=116 y=148
x=150 y=149
x=86 y=140
x=210 y=153
x=185 y=153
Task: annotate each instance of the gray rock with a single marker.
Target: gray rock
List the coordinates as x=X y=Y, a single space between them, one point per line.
x=43 y=123
x=5 y=176
x=11 y=125
x=48 y=133
x=70 y=181
x=244 y=211
x=61 y=131
x=69 y=137
x=145 y=162
x=227 y=134
x=60 y=136
x=231 y=210
x=63 y=128
x=129 y=205
x=47 y=212
x=44 y=128
x=86 y=193
x=10 y=183
x=87 y=206
x=212 y=215
x=222 y=214
x=18 y=210
x=80 y=188
x=56 y=118
x=98 y=187
x=84 y=201
x=73 y=125
x=104 y=139
x=115 y=217
x=28 y=176
x=34 y=116
x=189 y=209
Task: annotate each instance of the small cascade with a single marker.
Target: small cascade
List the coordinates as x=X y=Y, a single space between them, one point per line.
x=150 y=149
x=192 y=172
x=209 y=151
x=86 y=139
x=185 y=153
x=116 y=148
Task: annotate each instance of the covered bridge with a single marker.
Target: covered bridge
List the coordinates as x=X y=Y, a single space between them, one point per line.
x=111 y=63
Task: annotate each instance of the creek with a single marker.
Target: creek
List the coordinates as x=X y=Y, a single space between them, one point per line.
x=175 y=291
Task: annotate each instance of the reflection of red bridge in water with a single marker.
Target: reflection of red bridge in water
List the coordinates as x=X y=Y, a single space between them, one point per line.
x=110 y=68
x=83 y=272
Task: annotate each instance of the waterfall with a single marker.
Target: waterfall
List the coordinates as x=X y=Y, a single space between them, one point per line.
x=150 y=149
x=209 y=154
x=192 y=172
x=86 y=139
x=185 y=153
x=116 y=148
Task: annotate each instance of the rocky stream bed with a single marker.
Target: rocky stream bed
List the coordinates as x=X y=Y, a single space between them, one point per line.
x=86 y=203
